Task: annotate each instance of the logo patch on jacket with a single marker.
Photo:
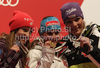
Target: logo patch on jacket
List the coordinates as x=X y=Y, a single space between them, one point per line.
x=0 y=51
x=65 y=63
x=82 y=53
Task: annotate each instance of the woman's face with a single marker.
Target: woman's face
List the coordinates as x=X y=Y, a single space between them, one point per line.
x=52 y=35
x=23 y=34
x=76 y=24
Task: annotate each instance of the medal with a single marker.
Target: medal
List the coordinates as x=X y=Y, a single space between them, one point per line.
x=52 y=45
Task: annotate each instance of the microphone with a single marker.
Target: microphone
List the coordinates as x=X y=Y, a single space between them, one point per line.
x=21 y=46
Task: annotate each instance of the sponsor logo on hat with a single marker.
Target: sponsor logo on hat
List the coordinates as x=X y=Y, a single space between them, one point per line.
x=31 y=23
x=52 y=23
x=69 y=11
x=71 y=16
x=28 y=19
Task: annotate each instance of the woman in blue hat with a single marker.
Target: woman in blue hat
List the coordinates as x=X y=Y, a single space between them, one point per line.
x=43 y=53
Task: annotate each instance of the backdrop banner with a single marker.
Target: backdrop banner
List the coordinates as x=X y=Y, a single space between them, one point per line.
x=37 y=9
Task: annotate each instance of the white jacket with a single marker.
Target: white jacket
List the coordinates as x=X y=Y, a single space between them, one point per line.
x=43 y=57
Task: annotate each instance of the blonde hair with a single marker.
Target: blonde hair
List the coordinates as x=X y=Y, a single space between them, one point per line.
x=84 y=24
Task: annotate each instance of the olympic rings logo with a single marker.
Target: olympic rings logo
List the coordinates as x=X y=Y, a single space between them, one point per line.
x=8 y=3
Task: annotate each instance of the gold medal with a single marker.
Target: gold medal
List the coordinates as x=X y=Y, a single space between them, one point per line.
x=52 y=45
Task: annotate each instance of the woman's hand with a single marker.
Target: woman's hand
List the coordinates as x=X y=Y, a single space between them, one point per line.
x=84 y=41
x=15 y=48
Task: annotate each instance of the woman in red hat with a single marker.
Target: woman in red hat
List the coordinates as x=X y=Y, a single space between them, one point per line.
x=14 y=46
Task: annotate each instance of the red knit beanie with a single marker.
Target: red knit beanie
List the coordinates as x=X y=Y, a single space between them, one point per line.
x=20 y=19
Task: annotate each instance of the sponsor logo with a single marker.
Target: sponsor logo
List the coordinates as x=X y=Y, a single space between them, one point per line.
x=69 y=11
x=52 y=23
x=31 y=23
x=28 y=19
x=8 y=3
x=82 y=53
x=71 y=16
x=65 y=63
x=0 y=51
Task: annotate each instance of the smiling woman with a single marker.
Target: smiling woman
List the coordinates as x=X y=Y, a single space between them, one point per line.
x=15 y=45
x=23 y=34
x=80 y=48
x=76 y=24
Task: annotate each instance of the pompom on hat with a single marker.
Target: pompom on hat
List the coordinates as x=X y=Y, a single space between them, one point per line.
x=20 y=19
x=71 y=10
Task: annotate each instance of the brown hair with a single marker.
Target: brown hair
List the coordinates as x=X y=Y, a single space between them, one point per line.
x=10 y=39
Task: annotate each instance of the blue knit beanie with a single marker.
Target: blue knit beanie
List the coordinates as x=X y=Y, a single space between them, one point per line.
x=49 y=23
